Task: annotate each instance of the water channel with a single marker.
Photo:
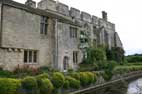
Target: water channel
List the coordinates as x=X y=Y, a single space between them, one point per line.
x=122 y=87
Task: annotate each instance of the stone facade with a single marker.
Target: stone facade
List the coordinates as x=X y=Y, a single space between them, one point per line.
x=59 y=45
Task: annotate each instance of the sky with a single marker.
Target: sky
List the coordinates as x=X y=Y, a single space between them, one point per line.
x=126 y=14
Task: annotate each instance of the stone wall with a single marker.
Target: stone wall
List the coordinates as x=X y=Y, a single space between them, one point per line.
x=10 y=58
x=0 y=21
x=47 y=4
x=66 y=45
x=118 y=42
x=21 y=29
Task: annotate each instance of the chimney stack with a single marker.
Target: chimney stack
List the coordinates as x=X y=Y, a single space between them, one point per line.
x=31 y=3
x=104 y=15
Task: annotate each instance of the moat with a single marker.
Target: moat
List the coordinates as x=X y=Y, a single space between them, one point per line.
x=134 y=87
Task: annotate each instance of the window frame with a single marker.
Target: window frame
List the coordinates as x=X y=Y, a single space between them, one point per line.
x=73 y=32
x=75 y=57
x=30 y=57
x=44 y=25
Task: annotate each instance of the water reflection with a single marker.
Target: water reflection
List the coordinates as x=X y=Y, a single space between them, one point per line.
x=117 y=88
x=135 y=87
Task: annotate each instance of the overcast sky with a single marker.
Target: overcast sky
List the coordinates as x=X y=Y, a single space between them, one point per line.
x=126 y=14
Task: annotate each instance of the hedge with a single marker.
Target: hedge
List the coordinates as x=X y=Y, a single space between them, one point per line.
x=66 y=84
x=29 y=84
x=87 y=78
x=58 y=80
x=75 y=75
x=73 y=83
x=9 y=86
x=45 y=86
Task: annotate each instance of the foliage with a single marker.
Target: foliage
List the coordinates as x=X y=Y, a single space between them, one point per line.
x=75 y=75
x=90 y=76
x=134 y=58
x=46 y=69
x=30 y=84
x=9 y=86
x=122 y=69
x=66 y=84
x=83 y=79
x=94 y=54
x=102 y=64
x=87 y=78
x=116 y=54
x=4 y=73
x=88 y=67
x=73 y=83
x=107 y=75
x=42 y=76
x=45 y=86
x=111 y=65
x=58 y=79
x=24 y=70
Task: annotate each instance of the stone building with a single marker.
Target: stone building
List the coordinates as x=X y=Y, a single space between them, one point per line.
x=49 y=34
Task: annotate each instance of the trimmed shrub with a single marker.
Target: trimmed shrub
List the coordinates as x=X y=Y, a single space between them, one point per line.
x=30 y=84
x=95 y=77
x=58 y=79
x=9 y=86
x=42 y=76
x=66 y=84
x=75 y=75
x=73 y=83
x=45 y=86
x=83 y=78
x=90 y=77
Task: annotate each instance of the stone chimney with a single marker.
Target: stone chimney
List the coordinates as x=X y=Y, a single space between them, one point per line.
x=104 y=15
x=31 y=3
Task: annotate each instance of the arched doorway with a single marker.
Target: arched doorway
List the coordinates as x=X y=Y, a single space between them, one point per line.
x=66 y=63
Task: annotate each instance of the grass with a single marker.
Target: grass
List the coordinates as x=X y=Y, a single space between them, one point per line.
x=127 y=68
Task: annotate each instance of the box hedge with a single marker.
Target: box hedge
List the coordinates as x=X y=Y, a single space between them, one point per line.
x=58 y=79
x=73 y=83
x=9 y=86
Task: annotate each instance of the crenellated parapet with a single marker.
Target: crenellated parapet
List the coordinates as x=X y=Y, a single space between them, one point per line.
x=86 y=17
x=62 y=8
x=47 y=4
x=75 y=13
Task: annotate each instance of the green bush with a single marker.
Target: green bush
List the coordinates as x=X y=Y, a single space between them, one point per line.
x=75 y=75
x=4 y=73
x=95 y=54
x=66 y=84
x=111 y=65
x=116 y=54
x=87 y=78
x=83 y=79
x=9 y=86
x=42 y=76
x=45 y=86
x=107 y=75
x=90 y=77
x=58 y=79
x=102 y=64
x=30 y=84
x=88 y=67
x=73 y=83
